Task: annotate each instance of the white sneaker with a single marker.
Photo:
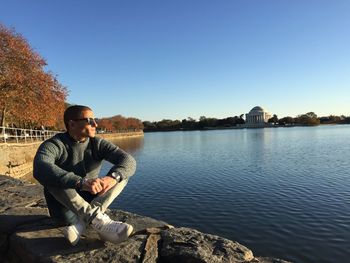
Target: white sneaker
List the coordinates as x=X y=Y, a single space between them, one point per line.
x=110 y=230
x=73 y=232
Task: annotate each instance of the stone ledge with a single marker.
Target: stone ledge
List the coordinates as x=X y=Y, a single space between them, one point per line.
x=26 y=235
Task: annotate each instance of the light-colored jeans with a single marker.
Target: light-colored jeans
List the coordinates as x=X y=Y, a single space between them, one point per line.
x=77 y=208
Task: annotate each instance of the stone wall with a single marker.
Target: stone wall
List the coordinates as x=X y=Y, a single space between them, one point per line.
x=16 y=159
x=26 y=235
x=111 y=136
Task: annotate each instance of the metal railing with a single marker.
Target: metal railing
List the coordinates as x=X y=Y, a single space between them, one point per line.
x=16 y=135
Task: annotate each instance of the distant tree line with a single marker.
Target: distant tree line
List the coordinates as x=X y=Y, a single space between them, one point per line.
x=308 y=119
x=192 y=124
x=204 y=123
x=118 y=123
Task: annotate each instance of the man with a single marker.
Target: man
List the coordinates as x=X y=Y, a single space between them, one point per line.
x=68 y=164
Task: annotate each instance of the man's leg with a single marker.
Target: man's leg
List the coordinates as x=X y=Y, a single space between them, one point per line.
x=74 y=202
x=105 y=200
x=60 y=215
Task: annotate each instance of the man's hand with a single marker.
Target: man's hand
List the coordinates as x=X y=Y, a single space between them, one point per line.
x=99 y=185
x=107 y=183
x=93 y=186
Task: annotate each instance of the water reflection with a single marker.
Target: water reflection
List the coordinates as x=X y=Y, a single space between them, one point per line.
x=130 y=144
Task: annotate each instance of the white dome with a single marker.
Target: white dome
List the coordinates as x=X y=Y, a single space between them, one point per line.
x=257 y=109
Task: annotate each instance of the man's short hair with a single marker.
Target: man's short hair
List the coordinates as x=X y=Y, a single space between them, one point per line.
x=73 y=112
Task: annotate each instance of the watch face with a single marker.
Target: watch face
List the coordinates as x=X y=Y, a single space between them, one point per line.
x=116 y=176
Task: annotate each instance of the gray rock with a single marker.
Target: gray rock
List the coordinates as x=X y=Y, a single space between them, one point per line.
x=40 y=242
x=36 y=242
x=22 y=195
x=14 y=217
x=6 y=181
x=140 y=223
x=189 y=245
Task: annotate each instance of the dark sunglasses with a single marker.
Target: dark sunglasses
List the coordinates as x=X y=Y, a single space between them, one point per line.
x=90 y=121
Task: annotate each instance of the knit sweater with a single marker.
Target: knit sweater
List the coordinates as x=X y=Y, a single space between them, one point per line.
x=62 y=162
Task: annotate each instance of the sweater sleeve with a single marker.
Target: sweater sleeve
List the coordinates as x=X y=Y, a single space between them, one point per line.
x=47 y=172
x=124 y=163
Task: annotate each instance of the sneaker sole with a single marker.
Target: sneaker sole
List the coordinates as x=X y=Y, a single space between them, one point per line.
x=128 y=233
x=71 y=240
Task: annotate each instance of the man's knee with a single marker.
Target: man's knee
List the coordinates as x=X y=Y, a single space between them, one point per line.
x=66 y=192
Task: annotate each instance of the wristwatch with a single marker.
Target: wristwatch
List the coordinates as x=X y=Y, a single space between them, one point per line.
x=81 y=183
x=116 y=176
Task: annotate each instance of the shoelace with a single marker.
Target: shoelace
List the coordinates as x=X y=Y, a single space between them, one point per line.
x=105 y=223
x=113 y=228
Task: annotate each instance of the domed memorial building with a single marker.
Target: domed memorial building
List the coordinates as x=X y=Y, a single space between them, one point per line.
x=257 y=118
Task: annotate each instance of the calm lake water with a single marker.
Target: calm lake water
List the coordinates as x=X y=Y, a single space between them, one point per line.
x=282 y=192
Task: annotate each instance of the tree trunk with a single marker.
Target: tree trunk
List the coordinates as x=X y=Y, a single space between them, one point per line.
x=3 y=119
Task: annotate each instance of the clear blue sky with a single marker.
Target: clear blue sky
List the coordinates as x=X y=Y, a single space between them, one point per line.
x=174 y=59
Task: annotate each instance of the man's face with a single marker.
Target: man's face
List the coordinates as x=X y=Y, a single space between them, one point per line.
x=81 y=127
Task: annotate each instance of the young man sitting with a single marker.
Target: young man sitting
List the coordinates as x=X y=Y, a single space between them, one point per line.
x=68 y=164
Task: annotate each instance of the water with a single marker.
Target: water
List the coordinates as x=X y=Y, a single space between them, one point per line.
x=282 y=192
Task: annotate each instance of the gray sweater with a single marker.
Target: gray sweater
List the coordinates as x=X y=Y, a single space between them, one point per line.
x=61 y=162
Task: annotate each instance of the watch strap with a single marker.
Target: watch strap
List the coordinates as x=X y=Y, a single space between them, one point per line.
x=117 y=176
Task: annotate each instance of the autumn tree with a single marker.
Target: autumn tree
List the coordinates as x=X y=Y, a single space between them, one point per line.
x=105 y=125
x=134 y=124
x=30 y=96
x=119 y=123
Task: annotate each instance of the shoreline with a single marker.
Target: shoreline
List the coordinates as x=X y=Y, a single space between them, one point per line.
x=120 y=135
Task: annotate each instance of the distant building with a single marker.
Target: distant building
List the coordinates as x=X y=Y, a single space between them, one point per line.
x=257 y=118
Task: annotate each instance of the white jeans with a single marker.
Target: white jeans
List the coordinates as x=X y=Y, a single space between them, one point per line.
x=74 y=202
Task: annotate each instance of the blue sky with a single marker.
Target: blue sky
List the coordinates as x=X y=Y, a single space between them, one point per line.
x=176 y=59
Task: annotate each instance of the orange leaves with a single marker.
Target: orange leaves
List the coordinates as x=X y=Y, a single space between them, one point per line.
x=29 y=94
x=119 y=123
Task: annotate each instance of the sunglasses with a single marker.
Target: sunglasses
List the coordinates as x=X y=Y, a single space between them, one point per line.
x=90 y=121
